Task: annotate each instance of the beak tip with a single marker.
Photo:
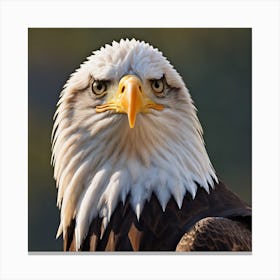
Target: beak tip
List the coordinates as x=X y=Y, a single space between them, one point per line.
x=131 y=120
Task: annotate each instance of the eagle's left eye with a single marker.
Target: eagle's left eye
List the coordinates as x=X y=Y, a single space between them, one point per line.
x=99 y=88
x=157 y=86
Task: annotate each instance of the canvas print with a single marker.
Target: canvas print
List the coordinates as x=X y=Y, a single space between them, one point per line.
x=129 y=165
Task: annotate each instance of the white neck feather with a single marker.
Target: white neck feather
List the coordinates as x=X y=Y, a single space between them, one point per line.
x=95 y=171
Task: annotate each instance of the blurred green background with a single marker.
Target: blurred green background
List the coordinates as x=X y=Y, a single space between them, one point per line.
x=215 y=64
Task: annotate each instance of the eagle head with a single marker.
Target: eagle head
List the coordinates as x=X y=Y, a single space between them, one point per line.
x=125 y=127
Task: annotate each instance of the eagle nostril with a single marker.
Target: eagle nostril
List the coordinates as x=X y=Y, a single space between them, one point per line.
x=123 y=88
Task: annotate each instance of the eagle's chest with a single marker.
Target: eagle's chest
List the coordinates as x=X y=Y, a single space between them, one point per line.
x=156 y=230
x=159 y=230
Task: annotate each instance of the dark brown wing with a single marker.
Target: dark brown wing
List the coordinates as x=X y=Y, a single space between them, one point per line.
x=162 y=231
x=216 y=234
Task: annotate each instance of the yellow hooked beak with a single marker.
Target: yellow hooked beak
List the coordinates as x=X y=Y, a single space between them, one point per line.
x=130 y=99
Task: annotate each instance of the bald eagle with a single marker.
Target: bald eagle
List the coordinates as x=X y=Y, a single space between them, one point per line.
x=130 y=163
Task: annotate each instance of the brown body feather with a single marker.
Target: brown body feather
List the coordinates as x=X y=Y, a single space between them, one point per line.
x=216 y=234
x=197 y=226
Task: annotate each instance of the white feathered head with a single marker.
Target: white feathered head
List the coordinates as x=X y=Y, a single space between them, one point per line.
x=125 y=125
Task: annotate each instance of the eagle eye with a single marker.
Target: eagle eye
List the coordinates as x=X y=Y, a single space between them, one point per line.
x=158 y=87
x=99 y=88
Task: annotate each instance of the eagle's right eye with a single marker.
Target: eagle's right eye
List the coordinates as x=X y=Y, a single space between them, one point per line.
x=99 y=88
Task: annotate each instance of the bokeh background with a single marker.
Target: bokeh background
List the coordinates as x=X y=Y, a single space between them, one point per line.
x=215 y=64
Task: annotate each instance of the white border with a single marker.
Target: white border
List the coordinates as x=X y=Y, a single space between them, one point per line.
x=17 y=16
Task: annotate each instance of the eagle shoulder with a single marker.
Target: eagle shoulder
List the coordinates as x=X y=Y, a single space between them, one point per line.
x=216 y=234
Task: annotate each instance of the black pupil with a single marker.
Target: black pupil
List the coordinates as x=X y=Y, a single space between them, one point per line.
x=99 y=86
x=156 y=84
